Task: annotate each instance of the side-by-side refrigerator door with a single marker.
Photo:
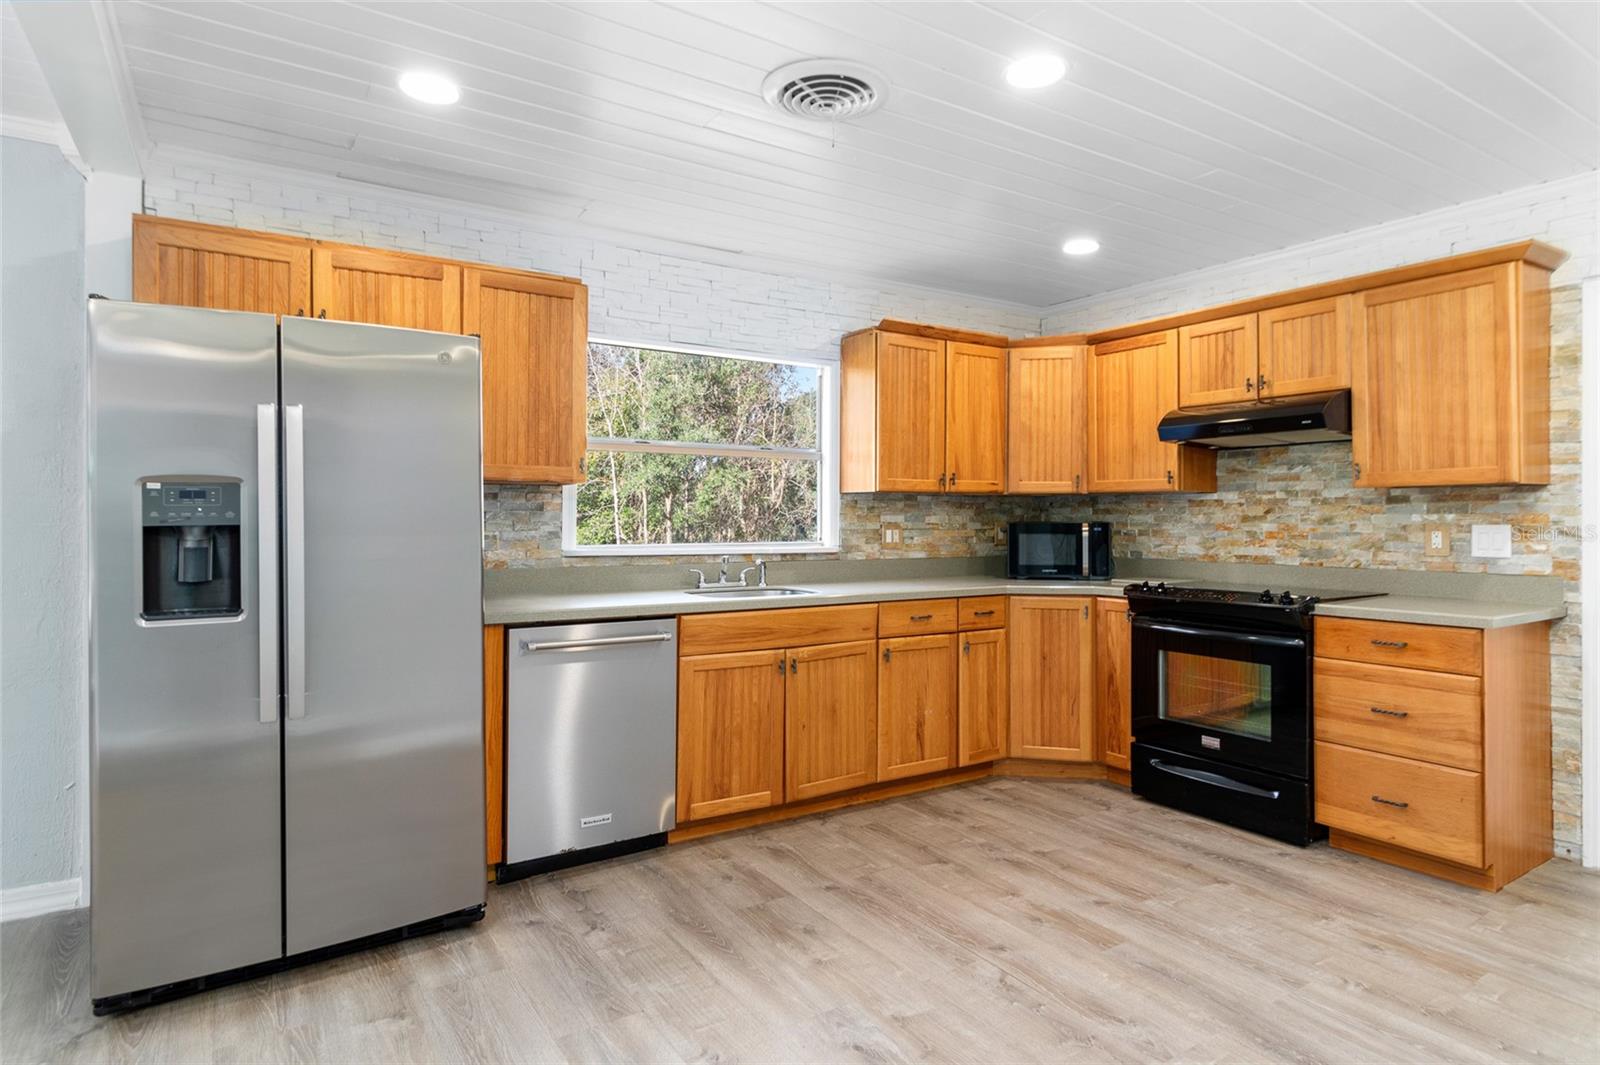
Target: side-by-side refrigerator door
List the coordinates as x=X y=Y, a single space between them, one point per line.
x=185 y=843
x=383 y=527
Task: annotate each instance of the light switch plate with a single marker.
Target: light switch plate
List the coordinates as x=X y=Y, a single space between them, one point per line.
x=1436 y=540
x=891 y=535
x=1491 y=541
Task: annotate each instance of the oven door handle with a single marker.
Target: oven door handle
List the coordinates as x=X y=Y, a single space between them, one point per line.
x=1220 y=634
x=1215 y=779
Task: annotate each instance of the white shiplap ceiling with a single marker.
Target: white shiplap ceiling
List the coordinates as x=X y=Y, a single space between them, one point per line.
x=24 y=97
x=1185 y=134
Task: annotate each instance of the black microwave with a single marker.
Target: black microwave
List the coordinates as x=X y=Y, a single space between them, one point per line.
x=1060 y=551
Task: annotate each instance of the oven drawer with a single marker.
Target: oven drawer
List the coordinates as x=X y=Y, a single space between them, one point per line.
x=916 y=617
x=1431 y=809
x=1268 y=803
x=982 y=612
x=1434 y=717
x=1389 y=643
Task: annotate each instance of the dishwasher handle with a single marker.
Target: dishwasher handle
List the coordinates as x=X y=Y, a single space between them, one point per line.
x=533 y=646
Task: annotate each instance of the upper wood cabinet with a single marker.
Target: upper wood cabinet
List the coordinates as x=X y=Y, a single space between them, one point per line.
x=188 y=264
x=975 y=417
x=386 y=288
x=1132 y=384
x=1217 y=362
x=1048 y=438
x=1452 y=379
x=730 y=733
x=831 y=719
x=535 y=337
x=1052 y=678
x=916 y=705
x=982 y=697
x=921 y=414
x=1113 y=666
x=1305 y=347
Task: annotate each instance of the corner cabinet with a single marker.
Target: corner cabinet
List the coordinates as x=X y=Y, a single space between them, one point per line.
x=1133 y=383
x=921 y=414
x=533 y=327
x=1113 y=683
x=1047 y=438
x=1452 y=379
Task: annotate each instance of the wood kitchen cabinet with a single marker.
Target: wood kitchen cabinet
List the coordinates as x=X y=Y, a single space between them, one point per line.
x=730 y=732
x=921 y=414
x=1113 y=705
x=386 y=288
x=916 y=705
x=1217 y=362
x=1304 y=347
x=189 y=264
x=1452 y=379
x=1047 y=441
x=1133 y=382
x=982 y=697
x=1052 y=678
x=830 y=719
x=535 y=336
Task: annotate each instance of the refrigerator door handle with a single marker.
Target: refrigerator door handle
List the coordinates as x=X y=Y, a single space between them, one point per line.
x=294 y=550
x=267 y=552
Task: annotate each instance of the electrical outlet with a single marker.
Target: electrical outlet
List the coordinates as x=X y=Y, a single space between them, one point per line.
x=891 y=535
x=1436 y=540
x=1491 y=541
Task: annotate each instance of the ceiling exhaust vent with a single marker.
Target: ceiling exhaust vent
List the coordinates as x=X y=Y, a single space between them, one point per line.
x=825 y=90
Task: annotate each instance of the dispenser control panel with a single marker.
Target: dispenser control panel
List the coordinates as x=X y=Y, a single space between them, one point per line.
x=190 y=503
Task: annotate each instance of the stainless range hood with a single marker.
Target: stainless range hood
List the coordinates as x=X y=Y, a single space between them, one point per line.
x=1311 y=419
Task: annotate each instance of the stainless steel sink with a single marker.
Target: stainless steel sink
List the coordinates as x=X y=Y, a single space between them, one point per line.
x=749 y=593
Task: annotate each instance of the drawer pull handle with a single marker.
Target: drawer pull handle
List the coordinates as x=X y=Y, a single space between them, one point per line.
x=1389 y=713
x=921 y=617
x=1390 y=802
x=1396 y=644
x=983 y=613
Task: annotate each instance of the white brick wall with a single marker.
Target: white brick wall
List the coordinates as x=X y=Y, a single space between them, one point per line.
x=1564 y=213
x=633 y=294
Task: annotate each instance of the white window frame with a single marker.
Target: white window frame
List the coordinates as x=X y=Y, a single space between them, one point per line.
x=826 y=454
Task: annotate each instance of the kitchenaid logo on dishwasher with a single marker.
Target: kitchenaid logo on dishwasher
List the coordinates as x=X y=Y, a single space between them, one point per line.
x=596 y=820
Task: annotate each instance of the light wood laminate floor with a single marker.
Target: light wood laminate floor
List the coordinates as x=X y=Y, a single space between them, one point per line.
x=1005 y=920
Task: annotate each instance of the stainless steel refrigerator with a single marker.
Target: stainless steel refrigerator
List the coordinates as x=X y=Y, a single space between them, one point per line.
x=285 y=654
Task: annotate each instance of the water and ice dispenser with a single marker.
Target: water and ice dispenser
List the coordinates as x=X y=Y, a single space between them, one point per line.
x=191 y=549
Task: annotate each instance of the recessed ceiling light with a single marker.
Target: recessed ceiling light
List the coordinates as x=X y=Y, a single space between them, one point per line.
x=428 y=87
x=1035 y=71
x=1081 y=246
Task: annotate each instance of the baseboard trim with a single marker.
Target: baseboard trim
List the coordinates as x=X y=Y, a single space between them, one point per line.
x=31 y=900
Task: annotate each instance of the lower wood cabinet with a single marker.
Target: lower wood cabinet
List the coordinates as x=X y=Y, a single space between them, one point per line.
x=982 y=697
x=831 y=719
x=1052 y=678
x=1113 y=706
x=916 y=705
x=730 y=732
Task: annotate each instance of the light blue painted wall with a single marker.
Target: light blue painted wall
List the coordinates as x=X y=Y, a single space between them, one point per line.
x=43 y=615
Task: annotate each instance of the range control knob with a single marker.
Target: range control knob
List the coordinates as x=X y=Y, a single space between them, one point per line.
x=1144 y=586
x=1265 y=597
x=1161 y=588
x=1287 y=599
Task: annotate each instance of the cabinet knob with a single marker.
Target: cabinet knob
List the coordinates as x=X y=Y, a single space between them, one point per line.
x=1169 y=476
x=794 y=665
x=966 y=648
x=1249 y=385
x=941 y=482
x=885 y=656
x=1261 y=383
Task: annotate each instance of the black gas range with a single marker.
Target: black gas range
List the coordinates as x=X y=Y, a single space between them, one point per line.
x=1222 y=700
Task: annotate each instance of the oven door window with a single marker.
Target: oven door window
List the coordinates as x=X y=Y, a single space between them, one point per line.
x=1217 y=694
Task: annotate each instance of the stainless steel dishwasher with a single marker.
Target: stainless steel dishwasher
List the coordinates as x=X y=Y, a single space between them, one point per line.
x=591 y=742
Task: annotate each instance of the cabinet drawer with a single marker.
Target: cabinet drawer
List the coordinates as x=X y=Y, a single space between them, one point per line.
x=1431 y=809
x=981 y=612
x=916 y=617
x=1434 y=717
x=757 y=630
x=1389 y=643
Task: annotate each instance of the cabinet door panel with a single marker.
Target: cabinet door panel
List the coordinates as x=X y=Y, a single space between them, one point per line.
x=1052 y=678
x=1217 y=362
x=1113 y=709
x=186 y=264
x=916 y=705
x=911 y=426
x=535 y=334
x=385 y=288
x=1434 y=387
x=1305 y=347
x=730 y=733
x=1132 y=384
x=982 y=697
x=1048 y=439
x=831 y=719
x=975 y=418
